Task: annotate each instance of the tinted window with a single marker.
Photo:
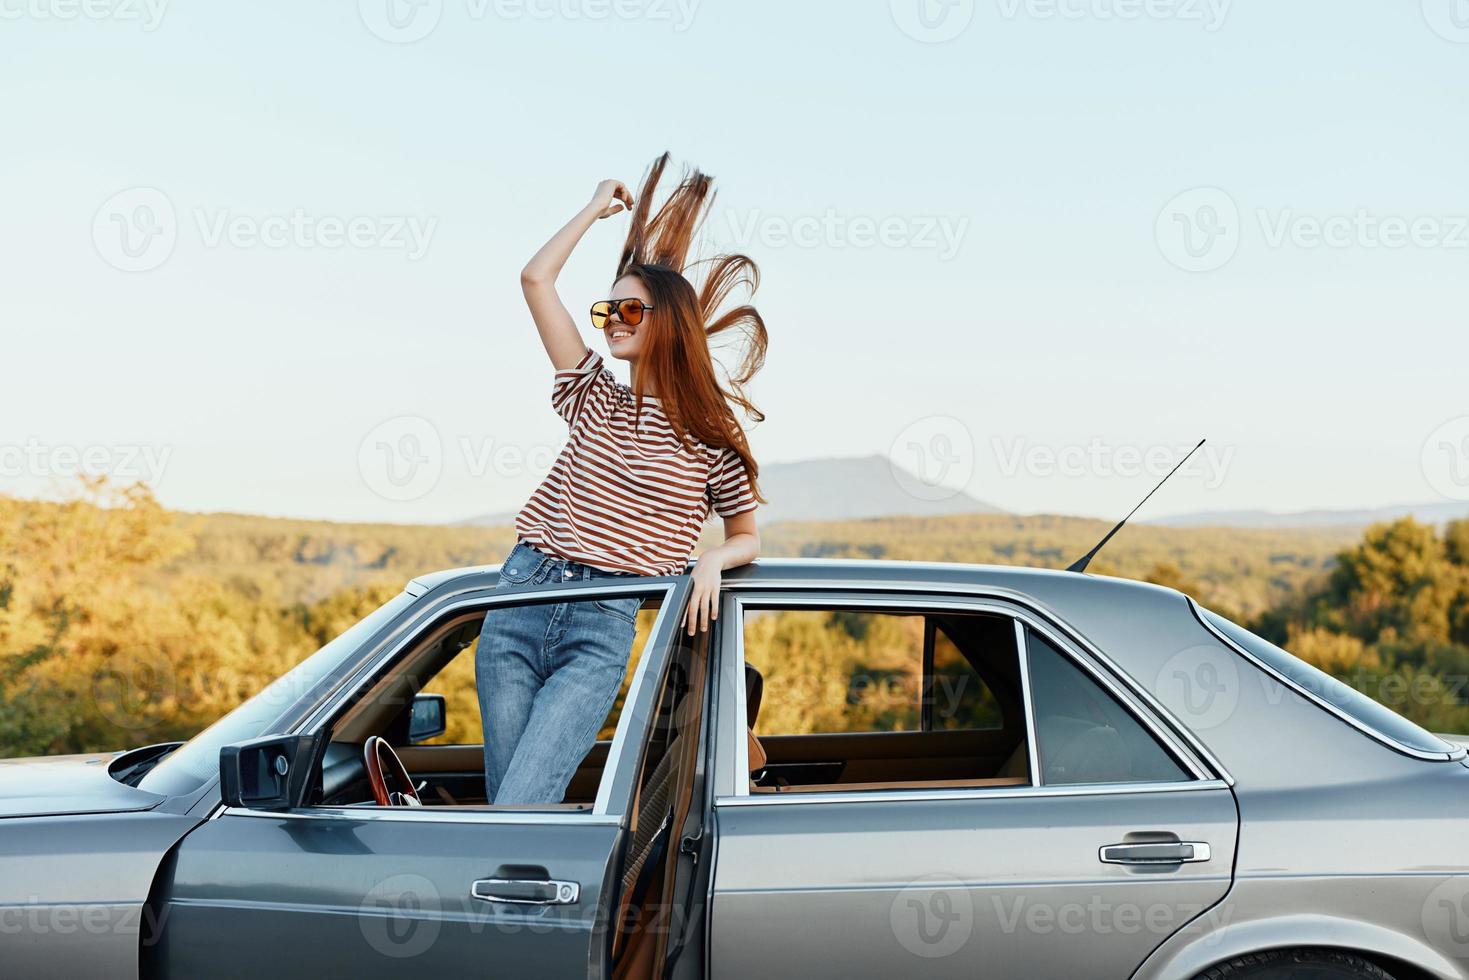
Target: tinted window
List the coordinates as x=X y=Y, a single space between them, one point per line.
x=1082 y=733
x=1337 y=693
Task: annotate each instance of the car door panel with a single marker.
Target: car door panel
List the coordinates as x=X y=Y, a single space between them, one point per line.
x=343 y=896
x=87 y=916
x=370 y=892
x=994 y=885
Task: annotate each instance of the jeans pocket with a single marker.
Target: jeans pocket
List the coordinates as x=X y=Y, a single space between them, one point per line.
x=520 y=566
x=623 y=609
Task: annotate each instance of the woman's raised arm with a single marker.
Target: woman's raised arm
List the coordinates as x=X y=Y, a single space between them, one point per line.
x=558 y=331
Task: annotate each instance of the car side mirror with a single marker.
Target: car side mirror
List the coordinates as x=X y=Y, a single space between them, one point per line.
x=427 y=718
x=267 y=773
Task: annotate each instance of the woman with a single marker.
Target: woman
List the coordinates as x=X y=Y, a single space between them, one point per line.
x=643 y=466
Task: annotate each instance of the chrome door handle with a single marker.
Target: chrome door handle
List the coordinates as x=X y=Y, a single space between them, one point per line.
x=1159 y=852
x=522 y=891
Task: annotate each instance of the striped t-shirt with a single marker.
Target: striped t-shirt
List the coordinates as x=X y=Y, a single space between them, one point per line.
x=625 y=495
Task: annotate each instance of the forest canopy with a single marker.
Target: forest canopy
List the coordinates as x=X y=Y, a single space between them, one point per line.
x=123 y=623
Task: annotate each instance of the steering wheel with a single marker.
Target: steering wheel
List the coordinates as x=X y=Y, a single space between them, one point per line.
x=383 y=763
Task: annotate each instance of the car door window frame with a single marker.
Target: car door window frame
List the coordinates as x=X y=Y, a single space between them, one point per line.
x=732 y=754
x=613 y=792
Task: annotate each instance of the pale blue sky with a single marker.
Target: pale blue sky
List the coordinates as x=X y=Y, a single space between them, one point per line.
x=1047 y=140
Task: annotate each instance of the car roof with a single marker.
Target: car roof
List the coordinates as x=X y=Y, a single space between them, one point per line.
x=842 y=572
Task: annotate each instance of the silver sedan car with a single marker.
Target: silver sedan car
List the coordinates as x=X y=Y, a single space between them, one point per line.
x=865 y=769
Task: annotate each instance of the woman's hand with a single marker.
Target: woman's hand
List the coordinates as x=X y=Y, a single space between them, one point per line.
x=741 y=545
x=610 y=197
x=703 y=608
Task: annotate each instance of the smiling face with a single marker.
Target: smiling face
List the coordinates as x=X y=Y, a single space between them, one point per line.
x=625 y=341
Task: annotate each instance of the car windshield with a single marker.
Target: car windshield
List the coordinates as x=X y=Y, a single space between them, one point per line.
x=1387 y=724
x=197 y=761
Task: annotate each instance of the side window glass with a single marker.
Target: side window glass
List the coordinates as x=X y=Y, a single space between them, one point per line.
x=1083 y=734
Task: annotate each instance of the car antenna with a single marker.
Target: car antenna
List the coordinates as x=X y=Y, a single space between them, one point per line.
x=1080 y=564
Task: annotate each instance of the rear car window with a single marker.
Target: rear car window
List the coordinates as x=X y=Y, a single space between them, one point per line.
x=1386 y=723
x=1083 y=735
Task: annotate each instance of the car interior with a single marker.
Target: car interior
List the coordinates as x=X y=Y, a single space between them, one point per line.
x=951 y=711
x=399 y=708
x=960 y=719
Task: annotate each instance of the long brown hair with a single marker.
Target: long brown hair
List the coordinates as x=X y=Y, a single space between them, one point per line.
x=676 y=362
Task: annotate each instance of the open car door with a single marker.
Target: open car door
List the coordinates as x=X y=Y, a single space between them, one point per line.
x=439 y=891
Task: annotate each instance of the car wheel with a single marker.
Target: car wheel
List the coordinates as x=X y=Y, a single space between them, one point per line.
x=1297 y=964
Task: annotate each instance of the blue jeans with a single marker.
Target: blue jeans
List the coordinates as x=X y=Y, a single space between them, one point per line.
x=547 y=674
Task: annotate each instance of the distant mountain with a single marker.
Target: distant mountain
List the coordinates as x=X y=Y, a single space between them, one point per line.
x=1435 y=513
x=840 y=489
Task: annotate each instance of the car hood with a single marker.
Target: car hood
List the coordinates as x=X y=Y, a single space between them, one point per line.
x=66 y=784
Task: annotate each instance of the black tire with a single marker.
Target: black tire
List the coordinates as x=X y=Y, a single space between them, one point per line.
x=1297 y=964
